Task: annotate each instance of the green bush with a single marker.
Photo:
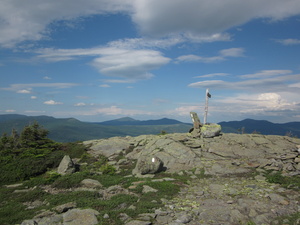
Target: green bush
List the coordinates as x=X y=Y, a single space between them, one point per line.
x=108 y=169
x=71 y=180
x=292 y=182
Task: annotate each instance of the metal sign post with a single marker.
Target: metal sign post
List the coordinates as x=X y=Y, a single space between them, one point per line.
x=207 y=96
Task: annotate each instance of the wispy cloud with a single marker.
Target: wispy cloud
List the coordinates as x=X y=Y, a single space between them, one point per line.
x=24 y=91
x=289 y=41
x=104 y=86
x=9 y=110
x=119 y=81
x=80 y=104
x=52 y=102
x=266 y=74
x=25 y=88
x=223 y=55
x=134 y=64
x=266 y=80
x=113 y=111
x=212 y=75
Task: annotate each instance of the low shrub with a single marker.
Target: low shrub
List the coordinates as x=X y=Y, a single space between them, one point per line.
x=71 y=180
x=291 y=182
x=108 y=169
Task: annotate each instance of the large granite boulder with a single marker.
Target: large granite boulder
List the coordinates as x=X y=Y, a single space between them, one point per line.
x=210 y=130
x=148 y=165
x=66 y=166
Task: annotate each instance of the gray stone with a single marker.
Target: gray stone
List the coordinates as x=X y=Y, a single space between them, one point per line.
x=90 y=183
x=29 y=222
x=107 y=147
x=185 y=218
x=147 y=189
x=80 y=216
x=236 y=217
x=53 y=220
x=148 y=165
x=46 y=213
x=210 y=130
x=138 y=222
x=65 y=207
x=124 y=217
x=66 y=166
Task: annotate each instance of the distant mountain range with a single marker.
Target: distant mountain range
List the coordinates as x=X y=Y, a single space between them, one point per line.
x=70 y=129
x=262 y=127
x=132 y=122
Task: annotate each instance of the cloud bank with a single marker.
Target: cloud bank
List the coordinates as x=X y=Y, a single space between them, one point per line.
x=31 y=20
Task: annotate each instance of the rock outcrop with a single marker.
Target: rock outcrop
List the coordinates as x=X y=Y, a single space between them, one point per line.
x=223 y=154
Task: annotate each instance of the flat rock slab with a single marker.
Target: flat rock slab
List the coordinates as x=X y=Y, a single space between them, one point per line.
x=231 y=200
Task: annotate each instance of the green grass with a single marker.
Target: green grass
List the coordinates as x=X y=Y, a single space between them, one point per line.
x=292 y=219
x=291 y=182
x=12 y=210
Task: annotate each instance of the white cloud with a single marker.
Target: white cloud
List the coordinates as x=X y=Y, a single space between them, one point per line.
x=24 y=91
x=104 y=86
x=113 y=111
x=202 y=20
x=185 y=110
x=145 y=42
x=133 y=64
x=223 y=55
x=156 y=17
x=117 y=81
x=232 y=52
x=52 y=102
x=276 y=105
x=35 y=112
x=80 y=104
x=289 y=41
x=212 y=75
x=33 y=97
x=47 y=78
x=266 y=74
x=21 y=21
x=266 y=80
x=200 y=38
x=10 y=110
x=22 y=87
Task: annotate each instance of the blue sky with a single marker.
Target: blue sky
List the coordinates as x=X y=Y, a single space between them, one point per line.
x=97 y=60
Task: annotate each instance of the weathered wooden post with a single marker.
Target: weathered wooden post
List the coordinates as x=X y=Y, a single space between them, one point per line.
x=207 y=96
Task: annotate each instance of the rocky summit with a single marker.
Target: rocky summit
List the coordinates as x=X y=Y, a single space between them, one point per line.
x=226 y=154
x=226 y=181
